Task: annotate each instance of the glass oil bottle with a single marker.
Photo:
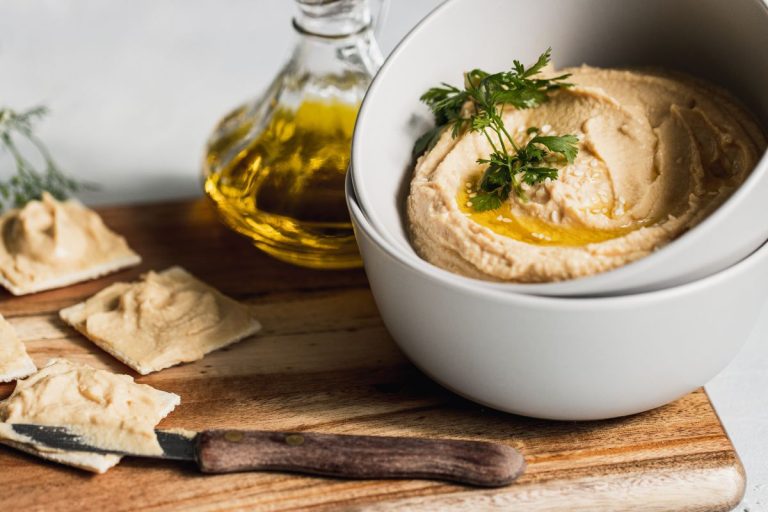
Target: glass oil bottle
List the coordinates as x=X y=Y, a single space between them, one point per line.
x=275 y=167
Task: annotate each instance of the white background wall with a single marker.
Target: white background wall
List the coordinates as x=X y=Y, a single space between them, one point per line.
x=135 y=87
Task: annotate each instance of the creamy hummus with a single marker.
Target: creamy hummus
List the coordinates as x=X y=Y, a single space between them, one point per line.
x=109 y=411
x=657 y=154
x=50 y=244
x=14 y=361
x=165 y=319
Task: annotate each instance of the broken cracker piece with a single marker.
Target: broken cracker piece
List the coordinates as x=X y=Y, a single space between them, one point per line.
x=49 y=244
x=14 y=361
x=162 y=320
x=88 y=461
x=107 y=410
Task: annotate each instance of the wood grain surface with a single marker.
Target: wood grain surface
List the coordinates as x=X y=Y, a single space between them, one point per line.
x=325 y=363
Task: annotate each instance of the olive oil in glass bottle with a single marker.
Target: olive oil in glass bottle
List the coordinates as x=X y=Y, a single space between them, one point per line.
x=275 y=166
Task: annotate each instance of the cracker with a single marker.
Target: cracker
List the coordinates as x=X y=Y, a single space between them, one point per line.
x=165 y=319
x=50 y=244
x=14 y=361
x=107 y=410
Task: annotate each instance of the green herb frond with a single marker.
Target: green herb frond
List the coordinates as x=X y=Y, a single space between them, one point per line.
x=486 y=93
x=479 y=107
x=529 y=165
x=29 y=183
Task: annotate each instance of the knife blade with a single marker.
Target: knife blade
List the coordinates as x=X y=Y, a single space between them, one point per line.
x=176 y=445
x=478 y=463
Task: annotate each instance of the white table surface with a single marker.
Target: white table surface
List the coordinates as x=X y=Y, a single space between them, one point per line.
x=135 y=87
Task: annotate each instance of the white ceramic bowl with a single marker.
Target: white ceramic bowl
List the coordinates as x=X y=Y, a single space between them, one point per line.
x=562 y=358
x=722 y=41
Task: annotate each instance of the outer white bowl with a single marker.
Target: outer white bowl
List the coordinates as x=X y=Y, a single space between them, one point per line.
x=722 y=41
x=562 y=358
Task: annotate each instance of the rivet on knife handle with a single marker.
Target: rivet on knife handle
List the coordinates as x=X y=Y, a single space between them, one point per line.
x=468 y=462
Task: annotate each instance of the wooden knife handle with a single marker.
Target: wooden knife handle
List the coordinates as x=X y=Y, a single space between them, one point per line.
x=467 y=462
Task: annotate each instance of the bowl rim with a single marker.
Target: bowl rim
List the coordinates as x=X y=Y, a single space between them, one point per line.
x=470 y=285
x=679 y=245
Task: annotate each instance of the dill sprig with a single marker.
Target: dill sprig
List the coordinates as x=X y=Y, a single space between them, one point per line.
x=478 y=107
x=29 y=183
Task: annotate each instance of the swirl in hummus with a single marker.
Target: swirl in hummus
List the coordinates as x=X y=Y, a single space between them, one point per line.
x=657 y=153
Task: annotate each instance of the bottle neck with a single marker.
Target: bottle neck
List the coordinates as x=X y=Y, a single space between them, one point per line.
x=335 y=37
x=332 y=19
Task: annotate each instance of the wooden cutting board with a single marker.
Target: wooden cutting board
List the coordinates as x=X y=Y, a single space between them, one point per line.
x=324 y=362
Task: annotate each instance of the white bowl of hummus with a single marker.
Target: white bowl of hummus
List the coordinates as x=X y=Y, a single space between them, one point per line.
x=670 y=181
x=555 y=357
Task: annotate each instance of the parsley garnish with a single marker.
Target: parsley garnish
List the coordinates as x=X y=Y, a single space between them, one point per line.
x=28 y=183
x=507 y=172
x=478 y=107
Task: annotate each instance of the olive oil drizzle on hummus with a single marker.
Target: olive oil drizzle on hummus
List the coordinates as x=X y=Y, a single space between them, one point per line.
x=535 y=231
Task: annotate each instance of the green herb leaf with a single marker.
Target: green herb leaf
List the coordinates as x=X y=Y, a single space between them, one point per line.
x=566 y=145
x=479 y=106
x=486 y=201
x=29 y=183
x=483 y=96
x=427 y=141
x=535 y=175
x=507 y=172
x=445 y=102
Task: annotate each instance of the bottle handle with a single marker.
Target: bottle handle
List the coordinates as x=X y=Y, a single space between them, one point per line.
x=380 y=17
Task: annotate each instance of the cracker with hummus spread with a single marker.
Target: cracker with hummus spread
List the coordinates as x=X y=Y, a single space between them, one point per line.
x=164 y=319
x=49 y=244
x=109 y=411
x=14 y=361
